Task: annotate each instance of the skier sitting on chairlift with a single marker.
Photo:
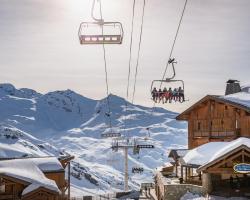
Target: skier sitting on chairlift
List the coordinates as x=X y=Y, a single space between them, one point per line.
x=154 y=94
x=181 y=95
x=175 y=96
x=170 y=95
x=160 y=95
x=164 y=95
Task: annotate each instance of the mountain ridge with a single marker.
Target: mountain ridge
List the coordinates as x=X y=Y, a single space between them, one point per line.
x=72 y=123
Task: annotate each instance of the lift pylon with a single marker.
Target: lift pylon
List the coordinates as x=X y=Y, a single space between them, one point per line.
x=126 y=144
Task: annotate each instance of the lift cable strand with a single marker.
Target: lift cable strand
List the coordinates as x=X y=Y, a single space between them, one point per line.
x=129 y=65
x=139 y=50
x=172 y=48
x=175 y=38
x=106 y=72
x=130 y=49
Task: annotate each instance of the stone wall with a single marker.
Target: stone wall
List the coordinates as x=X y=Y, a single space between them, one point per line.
x=176 y=191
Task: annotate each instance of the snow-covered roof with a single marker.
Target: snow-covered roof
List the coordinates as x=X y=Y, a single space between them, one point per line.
x=242 y=98
x=209 y=152
x=27 y=170
x=166 y=165
x=47 y=164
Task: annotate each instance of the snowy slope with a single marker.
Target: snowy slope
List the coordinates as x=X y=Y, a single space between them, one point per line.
x=15 y=143
x=73 y=123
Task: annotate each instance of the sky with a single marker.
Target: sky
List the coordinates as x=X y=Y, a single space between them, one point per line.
x=39 y=47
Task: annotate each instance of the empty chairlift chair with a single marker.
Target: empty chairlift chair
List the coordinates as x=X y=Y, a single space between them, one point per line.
x=100 y=32
x=92 y=33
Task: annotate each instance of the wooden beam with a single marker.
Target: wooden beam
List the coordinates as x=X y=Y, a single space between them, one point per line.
x=213 y=163
x=181 y=171
x=225 y=160
x=221 y=171
x=209 y=118
x=69 y=180
x=186 y=174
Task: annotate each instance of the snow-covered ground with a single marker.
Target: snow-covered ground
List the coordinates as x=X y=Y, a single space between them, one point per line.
x=190 y=196
x=33 y=124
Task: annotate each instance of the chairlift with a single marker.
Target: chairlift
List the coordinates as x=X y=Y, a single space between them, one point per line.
x=145 y=146
x=118 y=142
x=115 y=146
x=99 y=31
x=110 y=135
x=136 y=150
x=168 y=94
x=148 y=134
x=137 y=169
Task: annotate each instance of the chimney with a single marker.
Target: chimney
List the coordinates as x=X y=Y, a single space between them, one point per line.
x=233 y=86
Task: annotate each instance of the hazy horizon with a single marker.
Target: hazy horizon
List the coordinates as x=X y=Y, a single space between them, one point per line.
x=40 y=48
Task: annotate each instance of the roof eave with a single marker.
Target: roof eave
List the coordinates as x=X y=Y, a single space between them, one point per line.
x=184 y=115
x=205 y=166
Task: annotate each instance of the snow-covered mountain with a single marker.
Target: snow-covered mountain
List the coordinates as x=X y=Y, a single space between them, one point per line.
x=64 y=121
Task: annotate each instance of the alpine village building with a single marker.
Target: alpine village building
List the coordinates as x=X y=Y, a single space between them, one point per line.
x=217 y=160
x=41 y=178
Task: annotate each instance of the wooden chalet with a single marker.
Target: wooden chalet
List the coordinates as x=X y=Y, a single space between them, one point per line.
x=216 y=118
x=218 y=140
x=34 y=179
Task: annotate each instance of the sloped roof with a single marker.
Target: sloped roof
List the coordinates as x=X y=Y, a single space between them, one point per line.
x=209 y=152
x=47 y=164
x=28 y=170
x=240 y=100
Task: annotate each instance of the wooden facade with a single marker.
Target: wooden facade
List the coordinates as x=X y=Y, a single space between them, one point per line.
x=41 y=194
x=59 y=178
x=215 y=119
x=11 y=187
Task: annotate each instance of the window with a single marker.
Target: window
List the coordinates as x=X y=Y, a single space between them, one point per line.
x=236 y=124
x=199 y=126
x=2 y=186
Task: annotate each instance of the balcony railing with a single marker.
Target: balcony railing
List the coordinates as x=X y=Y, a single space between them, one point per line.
x=216 y=133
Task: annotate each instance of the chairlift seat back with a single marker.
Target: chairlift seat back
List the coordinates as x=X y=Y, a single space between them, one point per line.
x=145 y=146
x=100 y=33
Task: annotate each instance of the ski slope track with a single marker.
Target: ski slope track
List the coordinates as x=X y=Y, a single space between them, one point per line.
x=34 y=124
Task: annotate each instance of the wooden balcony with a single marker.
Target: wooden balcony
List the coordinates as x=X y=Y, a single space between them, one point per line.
x=8 y=197
x=216 y=134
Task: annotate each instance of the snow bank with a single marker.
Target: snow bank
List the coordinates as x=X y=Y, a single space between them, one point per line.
x=28 y=171
x=209 y=152
x=191 y=196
